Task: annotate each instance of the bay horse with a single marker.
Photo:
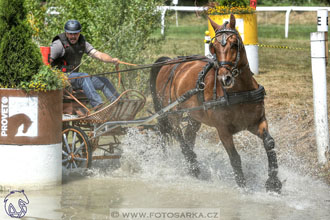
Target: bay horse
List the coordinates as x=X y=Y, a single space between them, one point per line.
x=228 y=98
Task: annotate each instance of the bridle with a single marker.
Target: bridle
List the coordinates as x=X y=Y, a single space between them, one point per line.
x=223 y=33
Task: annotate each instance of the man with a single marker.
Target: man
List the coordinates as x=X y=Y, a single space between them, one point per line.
x=66 y=52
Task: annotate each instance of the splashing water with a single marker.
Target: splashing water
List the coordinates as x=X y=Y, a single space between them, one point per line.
x=146 y=176
x=144 y=159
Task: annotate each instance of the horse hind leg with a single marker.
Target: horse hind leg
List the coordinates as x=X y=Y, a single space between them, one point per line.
x=273 y=183
x=165 y=129
x=191 y=132
x=188 y=153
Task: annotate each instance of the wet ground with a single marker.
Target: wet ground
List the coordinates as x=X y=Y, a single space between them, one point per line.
x=146 y=180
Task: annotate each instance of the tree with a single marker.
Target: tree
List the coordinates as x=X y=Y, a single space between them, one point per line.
x=20 y=57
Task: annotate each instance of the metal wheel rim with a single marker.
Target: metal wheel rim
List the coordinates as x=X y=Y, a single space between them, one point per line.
x=75 y=149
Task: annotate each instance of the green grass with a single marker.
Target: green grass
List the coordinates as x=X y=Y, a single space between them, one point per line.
x=278 y=31
x=296 y=31
x=188 y=39
x=184 y=32
x=270 y=25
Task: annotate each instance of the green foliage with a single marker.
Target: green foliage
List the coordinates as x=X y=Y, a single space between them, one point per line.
x=120 y=28
x=46 y=79
x=233 y=3
x=20 y=57
x=124 y=32
x=293 y=2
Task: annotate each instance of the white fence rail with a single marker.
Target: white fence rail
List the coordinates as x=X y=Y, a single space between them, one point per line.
x=286 y=9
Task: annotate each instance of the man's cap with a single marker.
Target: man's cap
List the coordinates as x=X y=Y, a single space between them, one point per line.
x=72 y=26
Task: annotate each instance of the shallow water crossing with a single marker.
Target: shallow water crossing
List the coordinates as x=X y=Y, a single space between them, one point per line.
x=146 y=180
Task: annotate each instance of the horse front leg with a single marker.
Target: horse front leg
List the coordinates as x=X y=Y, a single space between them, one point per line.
x=273 y=184
x=234 y=157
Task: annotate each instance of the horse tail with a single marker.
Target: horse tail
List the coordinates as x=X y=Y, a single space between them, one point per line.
x=153 y=77
x=163 y=123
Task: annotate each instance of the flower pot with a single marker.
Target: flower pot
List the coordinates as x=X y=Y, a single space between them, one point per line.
x=30 y=139
x=246 y=25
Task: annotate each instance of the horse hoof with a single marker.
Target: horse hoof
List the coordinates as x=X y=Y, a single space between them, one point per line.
x=273 y=184
x=240 y=181
x=194 y=170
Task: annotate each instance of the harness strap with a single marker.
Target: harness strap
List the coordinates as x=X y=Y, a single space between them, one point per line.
x=234 y=98
x=170 y=79
x=200 y=81
x=215 y=84
x=253 y=96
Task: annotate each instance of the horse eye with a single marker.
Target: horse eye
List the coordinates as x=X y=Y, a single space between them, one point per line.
x=233 y=45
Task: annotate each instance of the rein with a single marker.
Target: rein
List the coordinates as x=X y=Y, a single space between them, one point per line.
x=146 y=66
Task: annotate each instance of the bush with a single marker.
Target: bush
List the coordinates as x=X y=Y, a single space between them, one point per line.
x=231 y=3
x=20 y=58
x=46 y=79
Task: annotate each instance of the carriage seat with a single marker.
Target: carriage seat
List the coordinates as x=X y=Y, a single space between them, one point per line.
x=71 y=106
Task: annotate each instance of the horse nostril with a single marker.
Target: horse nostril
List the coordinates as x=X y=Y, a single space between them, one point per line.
x=227 y=80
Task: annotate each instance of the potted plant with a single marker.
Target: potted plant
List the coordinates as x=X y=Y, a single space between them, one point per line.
x=246 y=24
x=30 y=105
x=246 y=18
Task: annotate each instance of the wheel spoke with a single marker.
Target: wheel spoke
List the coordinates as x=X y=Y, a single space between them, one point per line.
x=63 y=152
x=67 y=165
x=74 y=140
x=66 y=143
x=65 y=160
x=75 y=165
x=80 y=148
x=80 y=159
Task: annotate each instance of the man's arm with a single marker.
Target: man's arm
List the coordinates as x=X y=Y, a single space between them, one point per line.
x=102 y=56
x=56 y=50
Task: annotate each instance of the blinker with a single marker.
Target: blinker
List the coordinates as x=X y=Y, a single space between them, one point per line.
x=223 y=40
x=235 y=72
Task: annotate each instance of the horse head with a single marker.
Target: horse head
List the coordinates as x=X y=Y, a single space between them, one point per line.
x=228 y=51
x=27 y=123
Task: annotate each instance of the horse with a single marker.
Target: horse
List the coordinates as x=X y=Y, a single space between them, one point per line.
x=226 y=97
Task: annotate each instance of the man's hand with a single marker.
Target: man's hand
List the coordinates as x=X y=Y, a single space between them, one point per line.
x=103 y=57
x=115 y=61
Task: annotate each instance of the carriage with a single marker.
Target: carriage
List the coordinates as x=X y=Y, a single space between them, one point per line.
x=95 y=135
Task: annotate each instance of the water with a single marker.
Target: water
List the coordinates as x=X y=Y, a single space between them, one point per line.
x=146 y=178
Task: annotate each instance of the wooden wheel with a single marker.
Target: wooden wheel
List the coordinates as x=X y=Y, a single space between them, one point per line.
x=76 y=149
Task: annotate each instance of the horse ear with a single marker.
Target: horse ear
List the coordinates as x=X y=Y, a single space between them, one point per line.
x=214 y=25
x=232 y=22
